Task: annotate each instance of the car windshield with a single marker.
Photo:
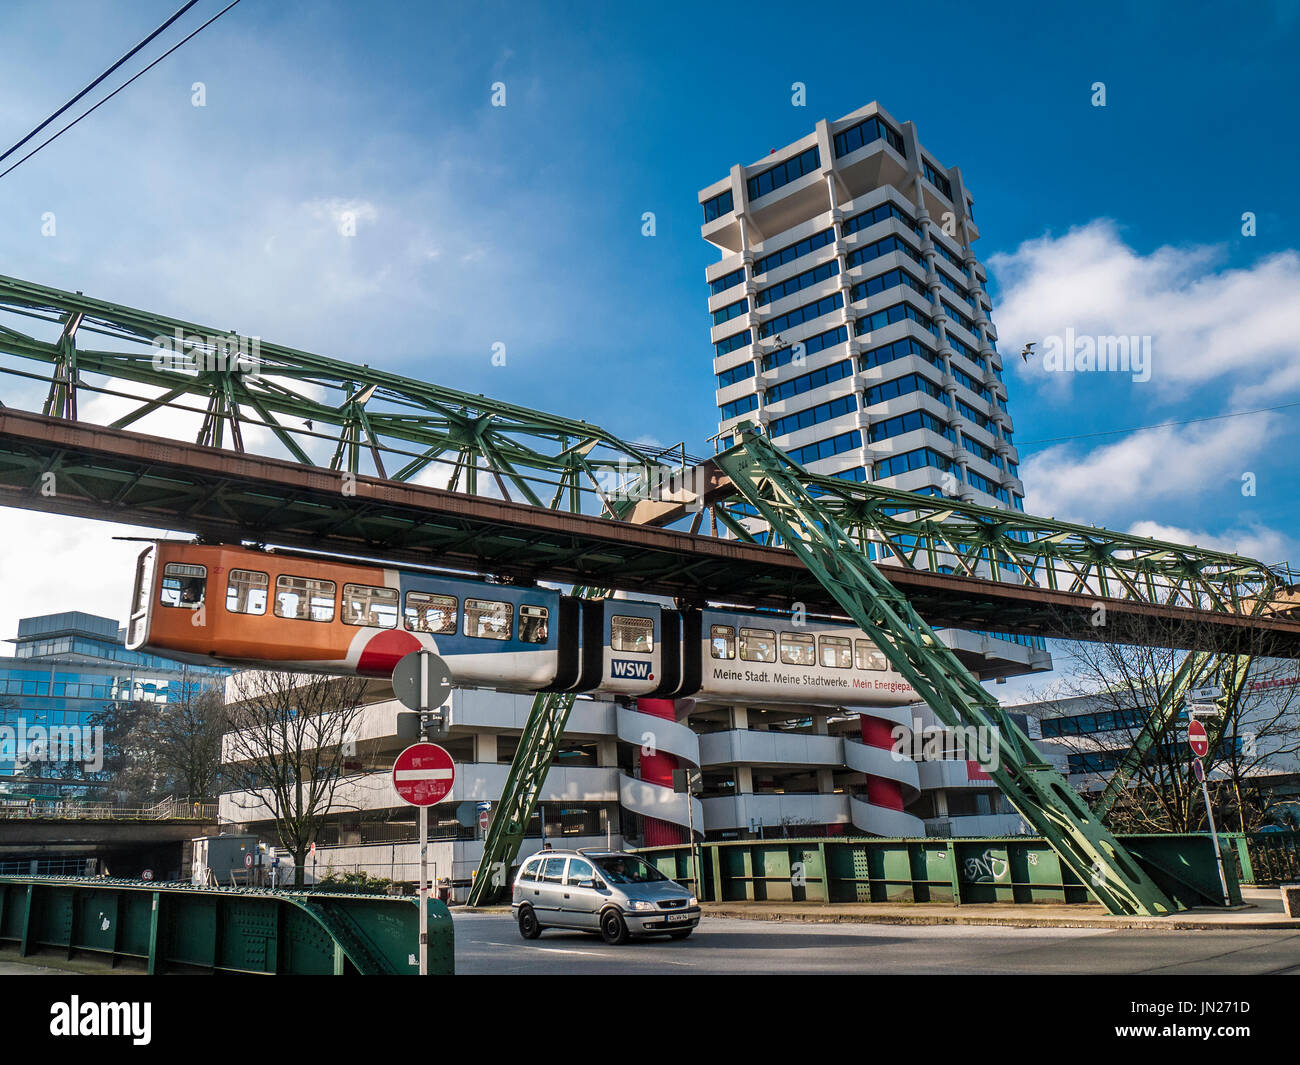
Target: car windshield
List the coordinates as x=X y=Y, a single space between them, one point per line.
x=628 y=869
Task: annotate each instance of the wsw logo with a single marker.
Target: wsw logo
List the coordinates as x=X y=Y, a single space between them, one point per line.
x=621 y=667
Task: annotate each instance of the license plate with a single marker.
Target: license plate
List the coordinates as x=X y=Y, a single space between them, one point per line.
x=674 y=918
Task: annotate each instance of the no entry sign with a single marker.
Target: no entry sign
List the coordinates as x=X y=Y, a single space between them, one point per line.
x=423 y=774
x=1197 y=739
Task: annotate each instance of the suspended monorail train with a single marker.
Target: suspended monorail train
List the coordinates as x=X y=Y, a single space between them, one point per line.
x=238 y=606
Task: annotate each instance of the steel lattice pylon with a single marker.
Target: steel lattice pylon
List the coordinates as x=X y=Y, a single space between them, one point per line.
x=772 y=483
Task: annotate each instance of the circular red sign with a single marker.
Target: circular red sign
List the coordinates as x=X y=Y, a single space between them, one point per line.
x=423 y=774
x=1197 y=739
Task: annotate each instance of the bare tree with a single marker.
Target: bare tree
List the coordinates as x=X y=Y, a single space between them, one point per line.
x=130 y=758
x=187 y=739
x=289 y=738
x=1122 y=678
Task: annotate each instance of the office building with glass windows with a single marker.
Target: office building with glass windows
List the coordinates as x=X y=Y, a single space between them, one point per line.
x=849 y=314
x=66 y=668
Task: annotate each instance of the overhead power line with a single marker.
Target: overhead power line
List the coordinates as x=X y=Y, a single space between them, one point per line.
x=184 y=8
x=1158 y=425
x=105 y=100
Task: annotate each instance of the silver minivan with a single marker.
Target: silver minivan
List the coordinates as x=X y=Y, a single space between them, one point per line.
x=611 y=892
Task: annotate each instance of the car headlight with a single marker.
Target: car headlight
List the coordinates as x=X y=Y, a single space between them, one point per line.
x=694 y=901
x=636 y=905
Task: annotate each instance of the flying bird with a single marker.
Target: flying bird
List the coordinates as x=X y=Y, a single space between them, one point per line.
x=1029 y=350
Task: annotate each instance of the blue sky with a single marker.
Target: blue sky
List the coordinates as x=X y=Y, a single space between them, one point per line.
x=522 y=224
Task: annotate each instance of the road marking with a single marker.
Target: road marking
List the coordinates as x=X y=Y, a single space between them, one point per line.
x=550 y=950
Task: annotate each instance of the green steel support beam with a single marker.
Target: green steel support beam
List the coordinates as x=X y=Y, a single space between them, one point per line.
x=532 y=761
x=772 y=483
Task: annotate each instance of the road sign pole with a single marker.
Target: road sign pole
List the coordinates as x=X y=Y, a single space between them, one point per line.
x=423 y=776
x=424 y=891
x=1214 y=835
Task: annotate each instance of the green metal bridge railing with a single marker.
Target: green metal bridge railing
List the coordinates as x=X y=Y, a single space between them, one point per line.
x=178 y=928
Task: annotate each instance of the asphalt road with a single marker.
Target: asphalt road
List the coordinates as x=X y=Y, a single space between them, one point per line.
x=490 y=944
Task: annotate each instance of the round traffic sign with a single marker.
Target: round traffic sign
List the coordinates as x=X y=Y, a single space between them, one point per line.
x=1199 y=769
x=483 y=817
x=248 y=860
x=423 y=774
x=1197 y=739
x=421 y=681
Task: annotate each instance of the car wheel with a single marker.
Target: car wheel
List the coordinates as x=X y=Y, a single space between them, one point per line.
x=613 y=929
x=682 y=934
x=528 y=926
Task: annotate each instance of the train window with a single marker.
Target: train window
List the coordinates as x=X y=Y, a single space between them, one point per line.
x=430 y=613
x=365 y=604
x=722 y=641
x=870 y=656
x=837 y=652
x=533 y=623
x=757 y=645
x=631 y=634
x=304 y=598
x=487 y=619
x=246 y=591
x=183 y=584
x=798 y=649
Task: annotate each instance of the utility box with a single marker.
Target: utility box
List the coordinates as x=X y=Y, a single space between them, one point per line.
x=223 y=859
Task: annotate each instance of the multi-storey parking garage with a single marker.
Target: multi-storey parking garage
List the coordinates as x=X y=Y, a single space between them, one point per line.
x=769 y=769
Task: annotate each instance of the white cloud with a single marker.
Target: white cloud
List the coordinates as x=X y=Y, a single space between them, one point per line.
x=1236 y=327
x=53 y=563
x=1253 y=540
x=1076 y=482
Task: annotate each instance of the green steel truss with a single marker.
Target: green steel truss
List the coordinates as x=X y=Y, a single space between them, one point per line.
x=945 y=535
x=775 y=486
x=60 y=350
x=248 y=395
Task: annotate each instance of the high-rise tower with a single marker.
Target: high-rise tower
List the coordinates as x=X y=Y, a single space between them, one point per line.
x=850 y=317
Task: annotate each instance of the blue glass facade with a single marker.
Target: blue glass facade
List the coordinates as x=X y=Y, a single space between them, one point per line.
x=65 y=668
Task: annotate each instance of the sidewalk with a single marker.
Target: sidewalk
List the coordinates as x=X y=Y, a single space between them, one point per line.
x=1262 y=909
